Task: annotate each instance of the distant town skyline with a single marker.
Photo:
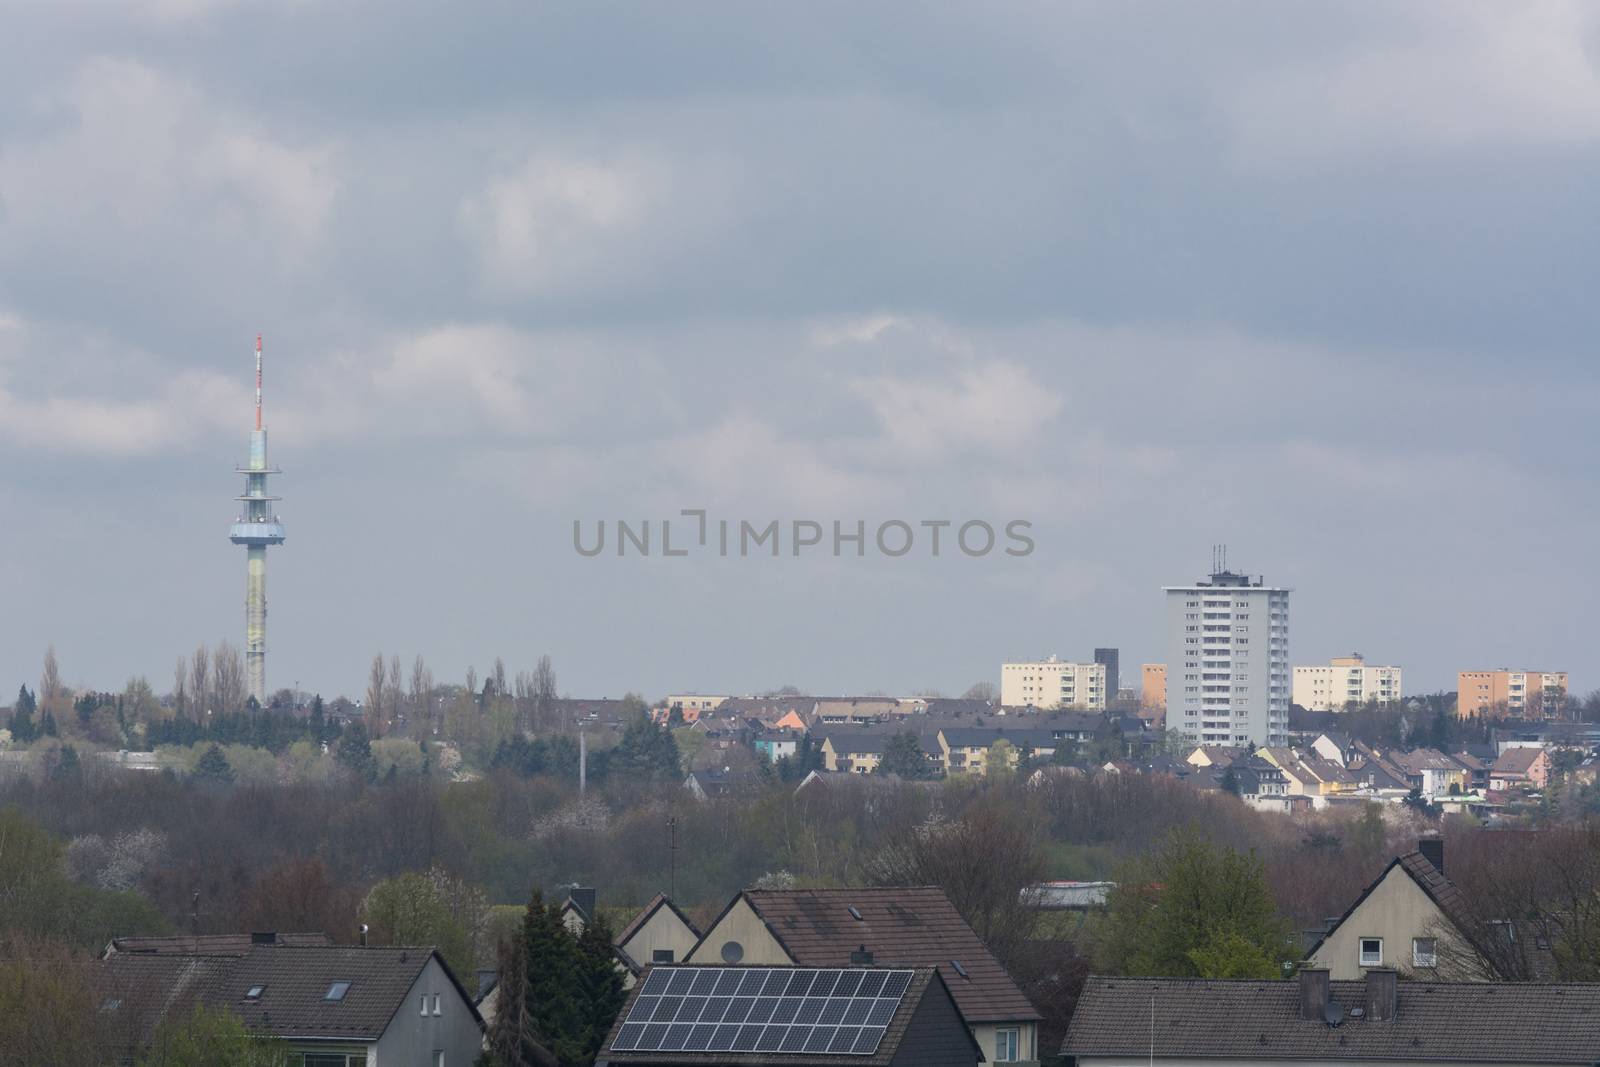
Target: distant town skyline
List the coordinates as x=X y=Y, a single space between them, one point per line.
x=1310 y=282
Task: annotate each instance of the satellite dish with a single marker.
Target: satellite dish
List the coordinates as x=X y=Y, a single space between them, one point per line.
x=732 y=952
x=1333 y=1014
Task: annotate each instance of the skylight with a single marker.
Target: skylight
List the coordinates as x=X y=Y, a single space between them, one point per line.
x=254 y=992
x=337 y=991
x=962 y=971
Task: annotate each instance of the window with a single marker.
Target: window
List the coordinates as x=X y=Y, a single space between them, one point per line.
x=422 y=1002
x=438 y=1058
x=1372 y=952
x=254 y=992
x=1424 y=952
x=337 y=991
x=436 y=1010
x=661 y=955
x=1005 y=1046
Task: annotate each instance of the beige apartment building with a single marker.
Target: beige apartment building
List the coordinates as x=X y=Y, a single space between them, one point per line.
x=1345 y=680
x=1052 y=683
x=1509 y=693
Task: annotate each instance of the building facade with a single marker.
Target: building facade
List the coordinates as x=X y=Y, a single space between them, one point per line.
x=1506 y=693
x=1228 y=661
x=1153 y=687
x=1345 y=680
x=1052 y=683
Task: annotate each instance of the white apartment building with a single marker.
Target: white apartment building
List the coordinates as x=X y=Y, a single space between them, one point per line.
x=1228 y=661
x=1052 y=683
x=1343 y=680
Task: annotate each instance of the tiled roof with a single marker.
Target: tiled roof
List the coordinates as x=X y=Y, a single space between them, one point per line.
x=924 y=980
x=295 y=981
x=1485 y=1022
x=207 y=944
x=1443 y=892
x=638 y=921
x=987 y=736
x=1517 y=760
x=912 y=926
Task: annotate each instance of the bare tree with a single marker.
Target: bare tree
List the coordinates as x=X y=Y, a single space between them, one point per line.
x=983 y=691
x=375 y=705
x=50 y=680
x=180 y=690
x=227 y=669
x=396 y=693
x=200 y=682
x=544 y=691
x=422 y=694
x=499 y=677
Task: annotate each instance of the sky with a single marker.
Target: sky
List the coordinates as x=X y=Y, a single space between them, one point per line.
x=1315 y=281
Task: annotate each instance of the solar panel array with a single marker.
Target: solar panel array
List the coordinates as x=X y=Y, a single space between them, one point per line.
x=785 y=1010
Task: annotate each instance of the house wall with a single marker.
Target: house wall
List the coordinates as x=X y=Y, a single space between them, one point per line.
x=937 y=1036
x=664 y=930
x=412 y=1037
x=741 y=924
x=1397 y=910
x=1027 y=1040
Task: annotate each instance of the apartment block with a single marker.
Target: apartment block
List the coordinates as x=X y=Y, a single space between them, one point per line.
x=1502 y=693
x=1345 y=680
x=1228 y=661
x=1153 y=686
x=1052 y=683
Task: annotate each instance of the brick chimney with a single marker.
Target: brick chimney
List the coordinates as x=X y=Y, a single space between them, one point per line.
x=1432 y=849
x=1313 y=993
x=1383 y=994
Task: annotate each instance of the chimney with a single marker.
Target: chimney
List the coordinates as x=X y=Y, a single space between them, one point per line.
x=1383 y=991
x=861 y=957
x=1432 y=849
x=1313 y=993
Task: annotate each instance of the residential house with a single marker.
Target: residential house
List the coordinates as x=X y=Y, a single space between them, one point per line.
x=658 y=934
x=1186 y=1022
x=722 y=782
x=1476 y=768
x=970 y=749
x=896 y=927
x=693 y=704
x=1431 y=771
x=331 y=1005
x=1218 y=756
x=1520 y=768
x=1334 y=747
x=862 y=709
x=854 y=750
x=723 y=1016
x=778 y=743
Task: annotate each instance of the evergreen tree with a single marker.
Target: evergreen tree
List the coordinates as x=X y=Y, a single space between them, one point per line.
x=902 y=755
x=213 y=767
x=355 y=750
x=647 y=751
x=599 y=984
x=319 y=720
x=553 y=970
x=67 y=766
x=22 y=726
x=47 y=724
x=1230 y=781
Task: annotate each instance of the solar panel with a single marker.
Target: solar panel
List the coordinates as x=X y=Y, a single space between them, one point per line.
x=792 y=1010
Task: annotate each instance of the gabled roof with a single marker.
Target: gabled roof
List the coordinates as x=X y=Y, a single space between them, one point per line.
x=907 y=926
x=1516 y=760
x=1484 y=1022
x=636 y=924
x=988 y=736
x=925 y=982
x=1450 y=901
x=207 y=944
x=134 y=992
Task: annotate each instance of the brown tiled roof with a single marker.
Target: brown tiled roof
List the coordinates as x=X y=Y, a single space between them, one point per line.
x=906 y=926
x=643 y=917
x=1485 y=1022
x=924 y=980
x=134 y=992
x=207 y=944
x=1516 y=760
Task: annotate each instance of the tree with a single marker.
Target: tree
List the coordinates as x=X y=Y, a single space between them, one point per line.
x=200 y=683
x=544 y=690
x=23 y=729
x=208 y=1037
x=213 y=768
x=422 y=695
x=553 y=967
x=417 y=909
x=375 y=709
x=355 y=750
x=395 y=693
x=647 y=751
x=180 y=689
x=1190 y=907
x=1230 y=781
x=984 y=691
x=48 y=1014
x=513 y=1038
x=599 y=984
x=50 y=681
x=227 y=671
x=67 y=767
x=902 y=755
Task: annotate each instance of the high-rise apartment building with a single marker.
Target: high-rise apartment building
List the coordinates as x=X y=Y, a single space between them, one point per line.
x=1505 y=692
x=1107 y=658
x=1228 y=661
x=1053 y=683
x=1345 y=680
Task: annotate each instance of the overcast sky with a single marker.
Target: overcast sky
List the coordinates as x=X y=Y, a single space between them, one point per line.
x=1314 y=281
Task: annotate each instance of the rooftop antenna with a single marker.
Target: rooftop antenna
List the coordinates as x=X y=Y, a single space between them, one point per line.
x=258 y=381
